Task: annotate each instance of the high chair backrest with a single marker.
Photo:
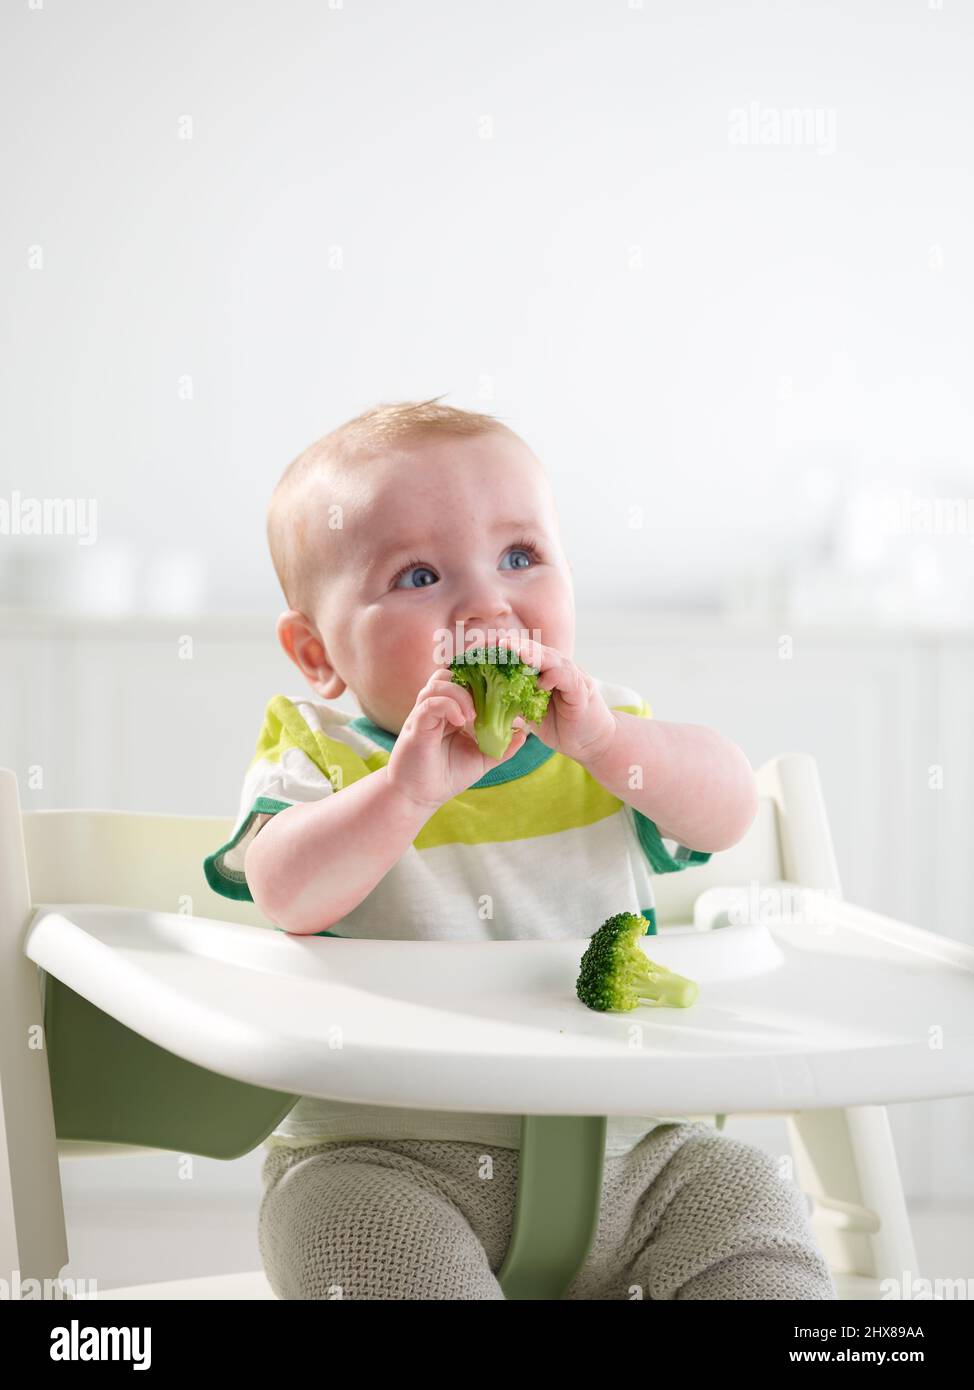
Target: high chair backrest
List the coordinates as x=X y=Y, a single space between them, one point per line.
x=138 y=859
x=135 y=859
x=789 y=839
x=129 y=859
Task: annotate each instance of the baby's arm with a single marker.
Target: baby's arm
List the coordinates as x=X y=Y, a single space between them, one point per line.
x=316 y=861
x=694 y=782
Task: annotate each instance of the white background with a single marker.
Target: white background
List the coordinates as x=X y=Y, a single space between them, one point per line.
x=539 y=210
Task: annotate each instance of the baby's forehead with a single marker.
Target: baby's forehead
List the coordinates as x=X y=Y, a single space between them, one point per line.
x=412 y=520
x=423 y=492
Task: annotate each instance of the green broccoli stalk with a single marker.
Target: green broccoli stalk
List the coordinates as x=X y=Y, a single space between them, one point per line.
x=502 y=687
x=616 y=974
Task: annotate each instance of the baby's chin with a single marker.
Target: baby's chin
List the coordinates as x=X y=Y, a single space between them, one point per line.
x=391 y=723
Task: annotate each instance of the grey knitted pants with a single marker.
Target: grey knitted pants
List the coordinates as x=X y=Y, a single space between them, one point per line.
x=687 y=1213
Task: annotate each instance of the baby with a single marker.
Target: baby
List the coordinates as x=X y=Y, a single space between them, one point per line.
x=404 y=537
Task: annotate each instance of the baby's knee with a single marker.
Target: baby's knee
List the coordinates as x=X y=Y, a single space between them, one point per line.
x=358 y=1230
x=731 y=1223
x=745 y=1175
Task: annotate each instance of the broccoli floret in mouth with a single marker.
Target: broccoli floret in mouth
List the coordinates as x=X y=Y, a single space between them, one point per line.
x=502 y=687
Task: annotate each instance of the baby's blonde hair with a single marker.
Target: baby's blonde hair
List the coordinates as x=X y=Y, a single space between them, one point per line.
x=382 y=427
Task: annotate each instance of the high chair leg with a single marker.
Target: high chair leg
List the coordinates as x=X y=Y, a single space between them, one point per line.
x=33 y=1242
x=846 y=1163
x=556 y=1214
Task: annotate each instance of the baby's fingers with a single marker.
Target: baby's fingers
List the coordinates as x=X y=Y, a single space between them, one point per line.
x=432 y=712
x=442 y=680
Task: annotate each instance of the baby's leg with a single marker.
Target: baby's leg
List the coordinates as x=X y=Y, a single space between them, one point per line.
x=403 y=1219
x=693 y=1214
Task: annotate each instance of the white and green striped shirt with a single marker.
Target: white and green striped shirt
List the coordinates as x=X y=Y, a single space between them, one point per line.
x=536 y=848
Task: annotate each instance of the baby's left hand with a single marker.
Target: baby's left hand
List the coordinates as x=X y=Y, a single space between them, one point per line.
x=577 y=722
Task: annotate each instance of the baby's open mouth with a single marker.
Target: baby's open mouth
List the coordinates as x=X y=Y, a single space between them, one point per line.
x=487 y=637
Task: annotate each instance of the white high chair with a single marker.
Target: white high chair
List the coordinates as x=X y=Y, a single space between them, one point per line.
x=166 y=1031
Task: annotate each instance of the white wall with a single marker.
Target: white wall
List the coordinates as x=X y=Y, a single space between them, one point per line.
x=545 y=210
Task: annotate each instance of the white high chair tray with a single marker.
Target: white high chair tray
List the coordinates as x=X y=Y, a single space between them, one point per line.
x=858 y=1009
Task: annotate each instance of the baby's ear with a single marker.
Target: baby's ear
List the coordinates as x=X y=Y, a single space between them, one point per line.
x=329 y=689
x=302 y=643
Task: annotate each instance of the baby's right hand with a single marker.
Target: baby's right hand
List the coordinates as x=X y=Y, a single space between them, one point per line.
x=436 y=755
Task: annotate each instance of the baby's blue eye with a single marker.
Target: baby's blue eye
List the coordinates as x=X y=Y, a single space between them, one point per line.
x=411 y=569
x=524 y=551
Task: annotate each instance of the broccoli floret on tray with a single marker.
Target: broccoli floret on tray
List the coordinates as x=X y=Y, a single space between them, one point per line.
x=616 y=974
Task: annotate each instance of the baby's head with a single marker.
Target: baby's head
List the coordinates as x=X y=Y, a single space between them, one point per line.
x=401 y=537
